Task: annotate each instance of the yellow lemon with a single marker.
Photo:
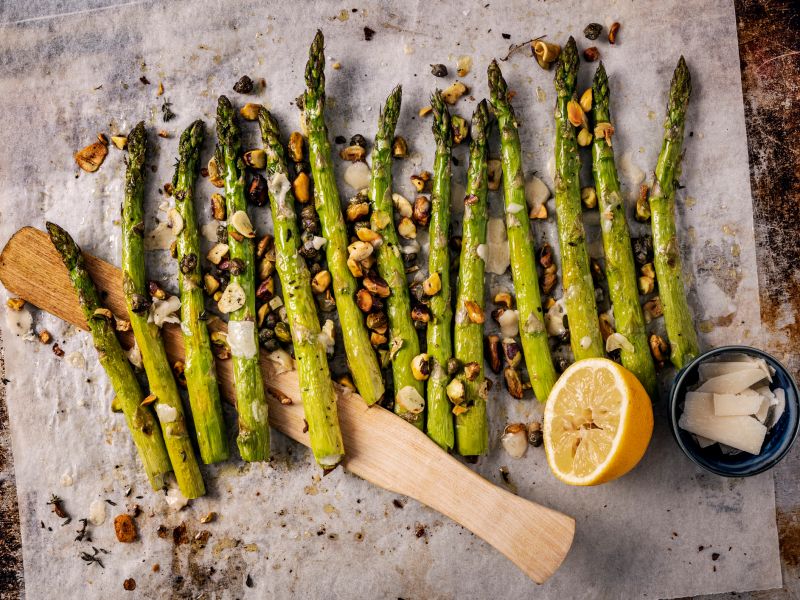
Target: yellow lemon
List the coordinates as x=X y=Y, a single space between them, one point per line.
x=597 y=423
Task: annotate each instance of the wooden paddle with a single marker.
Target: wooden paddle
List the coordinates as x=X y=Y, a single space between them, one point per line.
x=381 y=447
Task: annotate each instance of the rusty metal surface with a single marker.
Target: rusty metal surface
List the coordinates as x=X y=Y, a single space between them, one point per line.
x=770 y=61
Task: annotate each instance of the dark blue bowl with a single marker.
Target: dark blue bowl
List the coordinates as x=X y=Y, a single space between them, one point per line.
x=778 y=441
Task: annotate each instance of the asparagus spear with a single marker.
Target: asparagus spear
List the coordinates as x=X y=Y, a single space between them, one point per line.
x=390 y=264
x=141 y=422
x=316 y=387
x=201 y=375
x=678 y=319
x=584 y=327
x=520 y=242
x=360 y=355
x=148 y=336
x=440 y=343
x=620 y=268
x=472 y=430
x=251 y=403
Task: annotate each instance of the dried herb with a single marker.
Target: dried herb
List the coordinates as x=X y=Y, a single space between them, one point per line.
x=93 y=558
x=593 y=30
x=368 y=33
x=58 y=507
x=83 y=535
x=144 y=80
x=166 y=111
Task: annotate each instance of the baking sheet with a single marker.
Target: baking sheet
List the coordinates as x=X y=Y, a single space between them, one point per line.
x=281 y=529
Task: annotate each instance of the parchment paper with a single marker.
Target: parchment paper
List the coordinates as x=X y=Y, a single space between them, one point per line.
x=665 y=530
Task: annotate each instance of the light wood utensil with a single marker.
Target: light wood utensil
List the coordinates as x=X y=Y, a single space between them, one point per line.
x=381 y=447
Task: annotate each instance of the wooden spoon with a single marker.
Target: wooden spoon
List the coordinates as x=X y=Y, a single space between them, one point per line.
x=381 y=447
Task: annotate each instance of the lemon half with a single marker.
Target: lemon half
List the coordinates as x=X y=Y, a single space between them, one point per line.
x=597 y=423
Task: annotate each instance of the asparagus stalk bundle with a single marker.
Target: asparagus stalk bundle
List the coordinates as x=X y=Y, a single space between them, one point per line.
x=141 y=421
x=620 y=267
x=579 y=296
x=251 y=402
x=677 y=317
x=361 y=357
x=147 y=334
x=201 y=375
x=440 y=343
x=316 y=387
x=472 y=429
x=520 y=241
x=403 y=335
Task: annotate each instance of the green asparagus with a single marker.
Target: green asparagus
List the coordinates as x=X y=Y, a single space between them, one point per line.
x=316 y=387
x=389 y=261
x=147 y=334
x=677 y=317
x=239 y=296
x=440 y=343
x=472 y=429
x=620 y=268
x=141 y=422
x=520 y=241
x=201 y=374
x=579 y=299
x=361 y=357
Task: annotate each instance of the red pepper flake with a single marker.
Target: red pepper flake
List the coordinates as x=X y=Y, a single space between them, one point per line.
x=58 y=351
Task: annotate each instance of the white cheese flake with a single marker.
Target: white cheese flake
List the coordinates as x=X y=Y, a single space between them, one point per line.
x=166 y=413
x=242 y=339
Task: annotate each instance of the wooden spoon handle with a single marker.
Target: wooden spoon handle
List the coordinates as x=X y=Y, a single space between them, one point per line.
x=381 y=447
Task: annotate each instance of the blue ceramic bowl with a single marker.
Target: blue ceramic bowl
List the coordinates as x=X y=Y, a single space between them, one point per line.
x=778 y=441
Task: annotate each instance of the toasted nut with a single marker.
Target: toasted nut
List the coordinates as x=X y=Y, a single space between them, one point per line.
x=125 y=530
x=584 y=137
x=495 y=173
x=471 y=371
x=208 y=518
x=377 y=321
x=604 y=130
x=549 y=279
x=589 y=197
x=16 y=304
x=421 y=314
x=355 y=268
x=163 y=133
x=122 y=325
x=643 y=204
x=217 y=295
x=346 y=381
x=418 y=182
x=512 y=352
x=92 y=156
x=214 y=175
x=432 y=285
x=459 y=409
x=606 y=328
x=364 y=300
x=648 y=270
x=377 y=339
x=539 y=212
x=504 y=299
x=255 y=159
x=460 y=128
x=591 y=54
x=399 y=147
x=376 y=285
x=575 y=114
x=453 y=92
x=148 y=400
x=266 y=289
x=546 y=53
x=301 y=188
x=241 y=223
x=45 y=337
x=249 y=111
x=453 y=366
x=513 y=383
x=104 y=313
x=179 y=370
x=646 y=285
x=455 y=391
x=653 y=309
x=421 y=367
x=586 y=100
x=358 y=140
x=296 y=146
x=425 y=111
x=353 y=153
x=402 y=206
x=261 y=313
x=218 y=207
x=535 y=436
x=474 y=311
x=358 y=251
x=155 y=290
x=659 y=348
x=217 y=253
x=407 y=229
x=321 y=281
x=356 y=210
x=365 y=234
x=120 y=141
x=422 y=211
x=282 y=332
x=265 y=247
x=266 y=267
x=612 y=33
